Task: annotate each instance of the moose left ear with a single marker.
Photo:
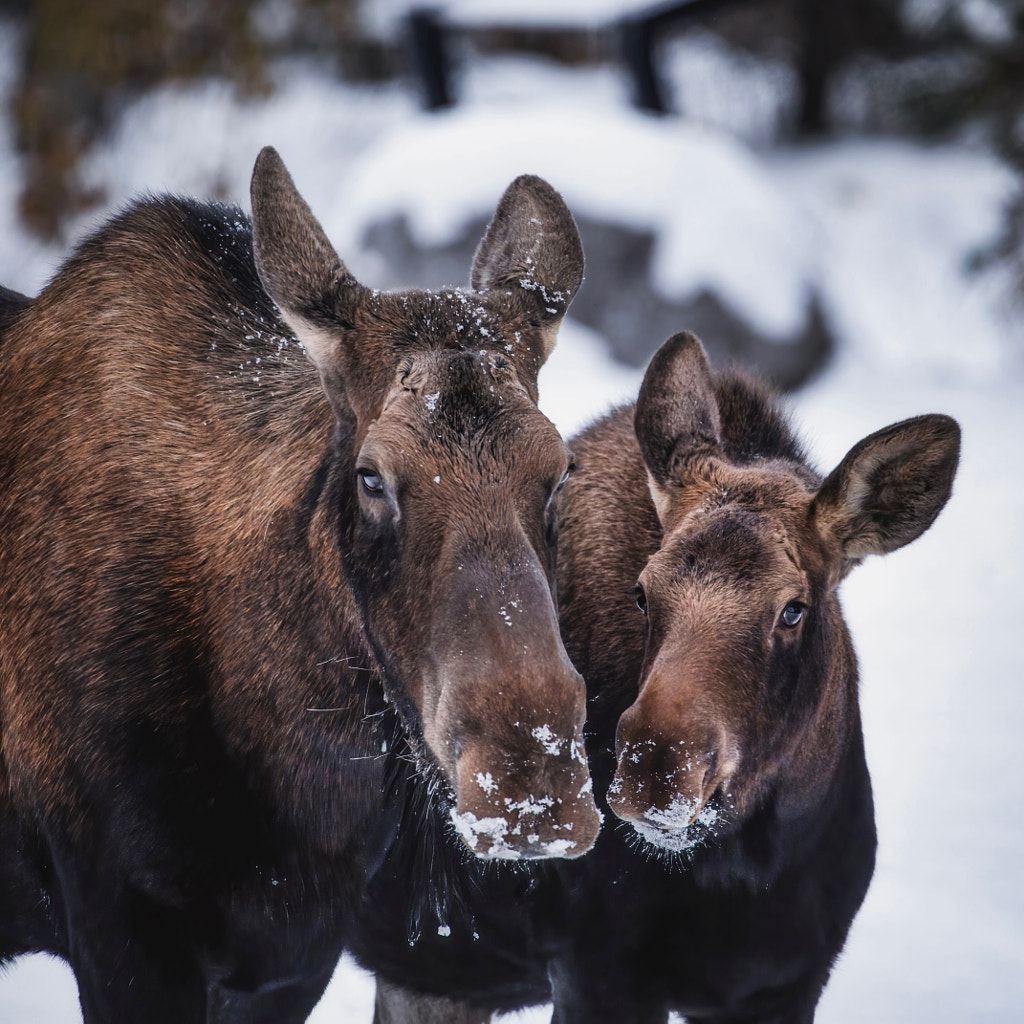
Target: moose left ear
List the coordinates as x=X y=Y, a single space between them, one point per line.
x=532 y=246
x=676 y=411
x=890 y=487
x=314 y=291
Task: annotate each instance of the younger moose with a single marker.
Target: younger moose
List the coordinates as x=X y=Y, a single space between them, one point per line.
x=699 y=560
x=225 y=566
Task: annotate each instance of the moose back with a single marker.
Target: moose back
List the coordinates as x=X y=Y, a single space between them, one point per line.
x=244 y=584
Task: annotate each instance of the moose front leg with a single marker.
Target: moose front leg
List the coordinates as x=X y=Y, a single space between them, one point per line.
x=138 y=960
x=396 y=1005
x=598 y=993
x=793 y=1005
x=131 y=980
x=129 y=974
x=288 y=1002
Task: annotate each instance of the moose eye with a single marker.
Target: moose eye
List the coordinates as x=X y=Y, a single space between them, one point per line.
x=371 y=482
x=565 y=477
x=792 y=614
x=641 y=599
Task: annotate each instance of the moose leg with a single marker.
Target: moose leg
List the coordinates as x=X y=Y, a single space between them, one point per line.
x=27 y=917
x=285 y=1003
x=797 y=1010
x=579 y=1013
x=395 y=1005
x=124 y=977
x=600 y=995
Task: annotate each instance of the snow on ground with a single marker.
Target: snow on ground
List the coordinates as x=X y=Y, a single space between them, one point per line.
x=884 y=229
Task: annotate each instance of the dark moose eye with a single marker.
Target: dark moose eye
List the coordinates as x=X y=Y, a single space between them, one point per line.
x=372 y=483
x=792 y=614
x=641 y=599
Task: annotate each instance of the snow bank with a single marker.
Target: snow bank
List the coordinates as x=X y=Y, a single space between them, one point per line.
x=719 y=221
x=897 y=226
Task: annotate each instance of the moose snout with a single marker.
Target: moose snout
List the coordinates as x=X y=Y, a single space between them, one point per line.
x=505 y=719
x=525 y=791
x=509 y=816
x=664 y=779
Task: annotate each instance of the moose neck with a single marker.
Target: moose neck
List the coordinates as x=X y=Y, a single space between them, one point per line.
x=775 y=841
x=606 y=507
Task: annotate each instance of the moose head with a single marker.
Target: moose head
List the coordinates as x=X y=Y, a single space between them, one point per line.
x=748 y=689
x=443 y=476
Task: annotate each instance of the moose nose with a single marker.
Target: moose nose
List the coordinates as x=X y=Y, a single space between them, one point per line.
x=537 y=803
x=667 y=770
x=665 y=804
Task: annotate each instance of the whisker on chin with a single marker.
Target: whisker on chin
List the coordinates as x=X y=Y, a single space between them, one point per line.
x=338 y=659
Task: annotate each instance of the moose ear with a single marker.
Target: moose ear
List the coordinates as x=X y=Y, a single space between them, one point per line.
x=532 y=246
x=890 y=487
x=676 y=412
x=304 y=276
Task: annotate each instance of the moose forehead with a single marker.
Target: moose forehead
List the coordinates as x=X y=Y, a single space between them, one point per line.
x=452 y=319
x=740 y=528
x=449 y=406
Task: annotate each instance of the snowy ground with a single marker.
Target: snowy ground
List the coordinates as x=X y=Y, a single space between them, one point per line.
x=883 y=231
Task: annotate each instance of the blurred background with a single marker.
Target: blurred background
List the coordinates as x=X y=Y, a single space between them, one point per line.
x=829 y=192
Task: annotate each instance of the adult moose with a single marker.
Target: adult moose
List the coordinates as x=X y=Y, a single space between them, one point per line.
x=723 y=722
x=224 y=567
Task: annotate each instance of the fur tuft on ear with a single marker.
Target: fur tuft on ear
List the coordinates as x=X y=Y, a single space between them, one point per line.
x=890 y=487
x=532 y=246
x=676 y=412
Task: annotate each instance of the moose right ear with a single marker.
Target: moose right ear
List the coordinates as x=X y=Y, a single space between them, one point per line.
x=676 y=412
x=889 y=488
x=532 y=247
x=311 y=286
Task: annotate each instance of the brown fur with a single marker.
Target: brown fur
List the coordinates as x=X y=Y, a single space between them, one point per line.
x=726 y=738
x=208 y=609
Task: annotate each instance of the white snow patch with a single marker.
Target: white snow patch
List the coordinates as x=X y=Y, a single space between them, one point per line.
x=558 y=847
x=582 y=379
x=672 y=828
x=485 y=780
x=547 y=739
x=897 y=226
x=471 y=828
x=530 y=805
